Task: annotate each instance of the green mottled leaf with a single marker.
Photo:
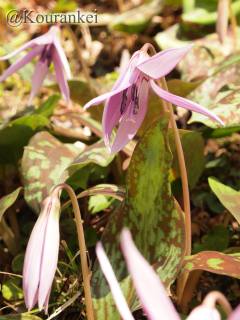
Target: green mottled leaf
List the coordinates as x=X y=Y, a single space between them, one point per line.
x=214 y=261
x=229 y=197
x=136 y=19
x=96 y=153
x=8 y=200
x=43 y=164
x=47 y=162
x=149 y=212
x=194 y=160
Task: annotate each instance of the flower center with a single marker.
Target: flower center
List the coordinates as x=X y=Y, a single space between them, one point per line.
x=46 y=56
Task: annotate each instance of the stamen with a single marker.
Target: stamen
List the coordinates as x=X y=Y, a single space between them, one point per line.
x=47 y=54
x=124 y=101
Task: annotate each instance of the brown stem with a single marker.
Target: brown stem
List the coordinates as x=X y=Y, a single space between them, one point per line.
x=183 y=172
x=86 y=274
x=213 y=297
x=233 y=22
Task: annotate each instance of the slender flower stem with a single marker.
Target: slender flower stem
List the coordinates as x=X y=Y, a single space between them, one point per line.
x=183 y=172
x=213 y=297
x=83 y=251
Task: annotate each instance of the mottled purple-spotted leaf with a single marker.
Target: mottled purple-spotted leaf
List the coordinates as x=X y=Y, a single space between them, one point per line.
x=47 y=162
x=215 y=262
x=229 y=197
x=8 y=200
x=149 y=211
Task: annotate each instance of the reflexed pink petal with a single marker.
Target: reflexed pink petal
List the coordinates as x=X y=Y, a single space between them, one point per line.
x=50 y=252
x=32 y=260
x=184 y=103
x=62 y=58
x=125 y=80
x=21 y=62
x=132 y=119
x=106 y=96
x=149 y=288
x=204 y=313
x=113 y=284
x=235 y=315
x=38 y=77
x=47 y=38
x=163 y=62
x=60 y=77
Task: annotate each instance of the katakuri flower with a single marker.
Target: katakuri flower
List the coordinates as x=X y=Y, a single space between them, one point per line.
x=48 y=48
x=155 y=302
x=126 y=104
x=40 y=262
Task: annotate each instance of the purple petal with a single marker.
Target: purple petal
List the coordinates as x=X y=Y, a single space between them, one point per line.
x=163 y=62
x=150 y=290
x=62 y=58
x=184 y=103
x=60 y=77
x=47 y=38
x=50 y=253
x=125 y=80
x=32 y=260
x=114 y=109
x=133 y=118
x=203 y=312
x=21 y=62
x=113 y=284
x=38 y=77
x=235 y=315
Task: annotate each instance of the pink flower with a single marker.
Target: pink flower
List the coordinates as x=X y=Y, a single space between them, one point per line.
x=126 y=104
x=48 y=48
x=150 y=290
x=41 y=256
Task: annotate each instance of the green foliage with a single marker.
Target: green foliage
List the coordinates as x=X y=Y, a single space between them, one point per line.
x=98 y=203
x=8 y=200
x=229 y=197
x=149 y=212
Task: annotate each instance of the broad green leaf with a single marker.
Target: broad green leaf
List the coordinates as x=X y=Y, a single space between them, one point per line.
x=194 y=160
x=96 y=153
x=8 y=200
x=16 y=134
x=149 y=212
x=137 y=19
x=214 y=261
x=229 y=197
x=47 y=162
x=22 y=316
x=43 y=163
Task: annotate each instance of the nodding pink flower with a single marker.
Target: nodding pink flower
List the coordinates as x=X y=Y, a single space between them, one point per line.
x=126 y=104
x=48 y=48
x=41 y=256
x=155 y=302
